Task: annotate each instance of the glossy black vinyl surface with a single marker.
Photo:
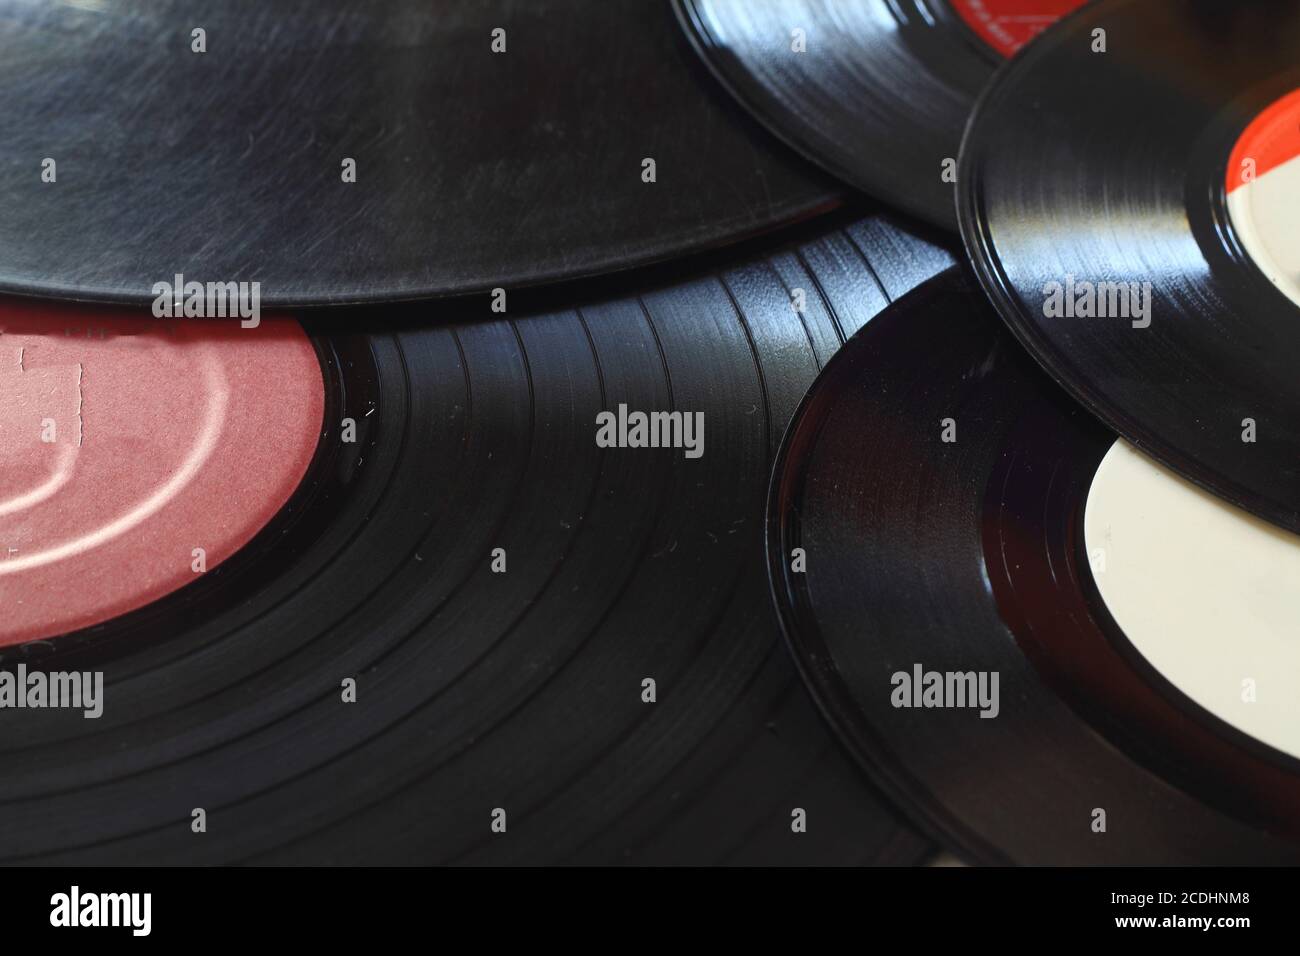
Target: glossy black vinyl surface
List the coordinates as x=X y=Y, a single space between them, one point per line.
x=879 y=98
x=474 y=169
x=1111 y=168
x=964 y=556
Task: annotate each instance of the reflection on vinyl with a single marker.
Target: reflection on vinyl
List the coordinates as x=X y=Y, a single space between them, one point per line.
x=339 y=152
x=876 y=91
x=477 y=602
x=1151 y=266
x=931 y=567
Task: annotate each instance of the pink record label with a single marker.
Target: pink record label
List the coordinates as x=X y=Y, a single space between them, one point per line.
x=139 y=454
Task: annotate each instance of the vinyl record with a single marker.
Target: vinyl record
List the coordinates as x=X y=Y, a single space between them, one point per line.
x=336 y=151
x=944 y=612
x=876 y=91
x=570 y=640
x=1129 y=195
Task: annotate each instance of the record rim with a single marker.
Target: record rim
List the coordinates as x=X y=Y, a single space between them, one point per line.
x=829 y=203
x=812 y=658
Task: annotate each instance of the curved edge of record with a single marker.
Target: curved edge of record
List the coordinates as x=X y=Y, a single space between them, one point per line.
x=702 y=41
x=614 y=265
x=816 y=669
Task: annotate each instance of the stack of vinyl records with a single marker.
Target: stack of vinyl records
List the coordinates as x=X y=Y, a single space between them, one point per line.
x=747 y=432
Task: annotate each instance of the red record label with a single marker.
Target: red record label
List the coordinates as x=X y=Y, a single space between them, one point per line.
x=1007 y=25
x=1263 y=185
x=1270 y=141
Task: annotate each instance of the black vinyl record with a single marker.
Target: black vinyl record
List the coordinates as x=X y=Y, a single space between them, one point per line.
x=1127 y=194
x=479 y=691
x=876 y=91
x=964 y=556
x=145 y=138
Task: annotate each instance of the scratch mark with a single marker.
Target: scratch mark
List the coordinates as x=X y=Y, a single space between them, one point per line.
x=81 y=398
